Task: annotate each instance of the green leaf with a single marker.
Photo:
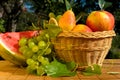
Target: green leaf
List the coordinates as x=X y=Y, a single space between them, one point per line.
x=92 y=70
x=61 y=1
x=97 y=69
x=68 y=6
x=57 y=69
x=70 y=65
x=2 y=29
x=107 y=4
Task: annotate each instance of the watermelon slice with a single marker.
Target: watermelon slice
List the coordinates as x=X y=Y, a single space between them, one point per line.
x=9 y=46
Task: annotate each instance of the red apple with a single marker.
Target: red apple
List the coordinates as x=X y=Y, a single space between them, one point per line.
x=81 y=28
x=100 y=21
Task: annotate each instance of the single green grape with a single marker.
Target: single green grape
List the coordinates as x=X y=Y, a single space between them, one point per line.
x=35 y=57
x=47 y=36
x=38 y=38
x=43 y=60
x=30 y=70
x=48 y=51
x=40 y=52
x=30 y=40
x=22 y=41
x=22 y=48
x=51 y=14
x=31 y=44
x=40 y=71
x=35 y=48
x=28 y=53
x=35 y=39
x=40 y=58
x=41 y=44
x=30 y=61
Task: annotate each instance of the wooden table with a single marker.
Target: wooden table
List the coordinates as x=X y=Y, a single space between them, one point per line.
x=9 y=71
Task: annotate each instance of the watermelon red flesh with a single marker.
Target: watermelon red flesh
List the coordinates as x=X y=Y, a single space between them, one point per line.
x=11 y=39
x=9 y=45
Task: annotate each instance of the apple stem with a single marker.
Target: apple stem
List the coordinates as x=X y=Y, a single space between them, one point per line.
x=101 y=4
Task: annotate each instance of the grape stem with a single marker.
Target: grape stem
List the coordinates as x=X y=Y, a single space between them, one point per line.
x=48 y=44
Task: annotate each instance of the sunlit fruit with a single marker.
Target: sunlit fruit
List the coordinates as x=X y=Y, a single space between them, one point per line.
x=100 y=21
x=67 y=21
x=81 y=28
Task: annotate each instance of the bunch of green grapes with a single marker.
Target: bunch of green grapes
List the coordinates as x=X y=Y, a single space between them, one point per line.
x=37 y=51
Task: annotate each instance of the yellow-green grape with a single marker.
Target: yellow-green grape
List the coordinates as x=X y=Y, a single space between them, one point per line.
x=30 y=40
x=30 y=69
x=22 y=41
x=51 y=14
x=41 y=44
x=48 y=51
x=35 y=48
x=28 y=53
x=35 y=57
x=31 y=44
x=47 y=36
x=43 y=60
x=40 y=71
x=35 y=40
x=30 y=61
x=40 y=52
x=22 y=48
x=38 y=38
x=58 y=17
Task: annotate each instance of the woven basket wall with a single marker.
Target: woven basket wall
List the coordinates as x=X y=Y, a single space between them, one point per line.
x=83 y=48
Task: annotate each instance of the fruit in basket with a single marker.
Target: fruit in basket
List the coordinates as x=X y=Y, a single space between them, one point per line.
x=9 y=46
x=100 y=21
x=67 y=21
x=81 y=28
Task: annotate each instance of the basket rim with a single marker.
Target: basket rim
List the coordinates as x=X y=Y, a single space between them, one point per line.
x=97 y=34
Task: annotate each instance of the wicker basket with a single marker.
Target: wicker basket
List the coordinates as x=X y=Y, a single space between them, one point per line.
x=83 y=48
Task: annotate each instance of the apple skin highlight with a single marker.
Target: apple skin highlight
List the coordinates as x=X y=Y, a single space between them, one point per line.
x=100 y=21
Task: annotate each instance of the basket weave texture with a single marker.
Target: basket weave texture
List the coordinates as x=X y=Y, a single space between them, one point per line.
x=83 y=48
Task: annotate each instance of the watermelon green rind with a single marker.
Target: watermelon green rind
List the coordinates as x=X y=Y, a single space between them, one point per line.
x=9 y=48
x=7 y=54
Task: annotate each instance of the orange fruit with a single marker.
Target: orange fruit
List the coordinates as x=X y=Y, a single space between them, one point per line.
x=81 y=28
x=67 y=20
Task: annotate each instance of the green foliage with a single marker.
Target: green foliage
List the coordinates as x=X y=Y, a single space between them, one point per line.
x=115 y=49
x=28 y=21
x=92 y=70
x=68 y=6
x=57 y=69
x=2 y=29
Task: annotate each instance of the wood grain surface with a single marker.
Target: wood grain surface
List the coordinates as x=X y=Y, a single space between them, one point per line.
x=9 y=71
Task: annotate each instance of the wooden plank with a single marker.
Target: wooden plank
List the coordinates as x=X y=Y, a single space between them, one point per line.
x=19 y=74
x=52 y=78
x=9 y=71
x=5 y=75
x=71 y=78
x=31 y=77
